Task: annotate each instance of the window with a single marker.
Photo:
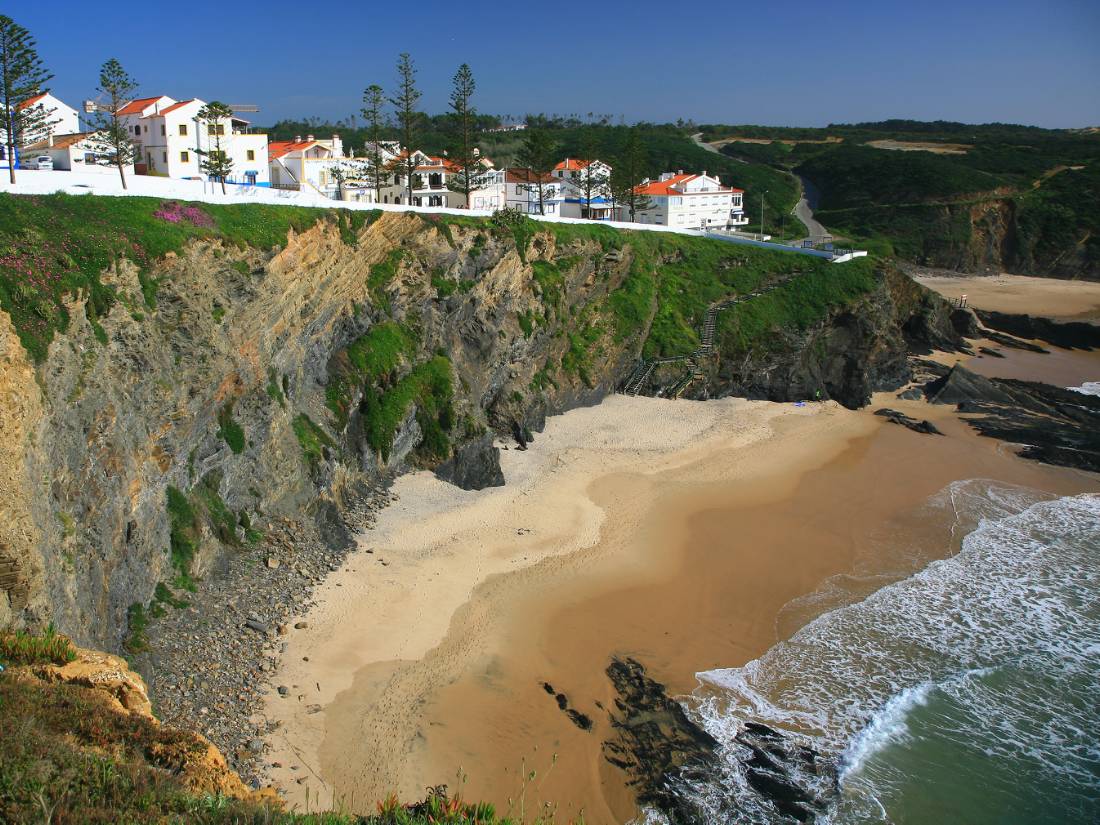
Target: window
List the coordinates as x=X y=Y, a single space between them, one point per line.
x=251 y=154
x=165 y=158
x=163 y=129
x=215 y=129
x=183 y=130
x=146 y=128
x=185 y=157
x=137 y=130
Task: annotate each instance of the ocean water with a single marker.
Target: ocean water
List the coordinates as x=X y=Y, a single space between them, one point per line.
x=965 y=692
x=1088 y=388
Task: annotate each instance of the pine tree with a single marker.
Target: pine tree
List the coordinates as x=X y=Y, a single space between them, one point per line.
x=22 y=76
x=628 y=173
x=592 y=184
x=373 y=101
x=112 y=137
x=215 y=162
x=405 y=101
x=536 y=158
x=464 y=136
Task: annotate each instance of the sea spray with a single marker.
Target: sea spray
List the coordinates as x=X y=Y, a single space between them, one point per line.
x=969 y=688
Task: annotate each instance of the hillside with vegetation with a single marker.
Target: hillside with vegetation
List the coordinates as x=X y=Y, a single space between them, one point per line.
x=947 y=194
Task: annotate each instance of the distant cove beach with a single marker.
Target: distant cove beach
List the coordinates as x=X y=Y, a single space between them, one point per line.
x=674 y=532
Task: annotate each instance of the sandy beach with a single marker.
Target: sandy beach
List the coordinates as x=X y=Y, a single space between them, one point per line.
x=1054 y=298
x=673 y=531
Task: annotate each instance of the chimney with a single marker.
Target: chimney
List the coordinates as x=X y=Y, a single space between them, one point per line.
x=681 y=171
x=309 y=137
x=49 y=139
x=297 y=138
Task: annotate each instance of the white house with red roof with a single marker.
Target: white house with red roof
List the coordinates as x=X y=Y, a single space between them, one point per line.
x=169 y=140
x=691 y=202
x=430 y=179
x=78 y=152
x=61 y=118
x=574 y=172
x=305 y=163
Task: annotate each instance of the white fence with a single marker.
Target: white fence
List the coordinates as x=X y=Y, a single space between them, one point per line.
x=34 y=182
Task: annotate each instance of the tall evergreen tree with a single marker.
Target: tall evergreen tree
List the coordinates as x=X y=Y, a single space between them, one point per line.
x=22 y=76
x=118 y=88
x=215 y=161
x=405 y=101
x=627 y=174
x=590 y=184
x=536 y=159
x=374 y=99
x=464 y=136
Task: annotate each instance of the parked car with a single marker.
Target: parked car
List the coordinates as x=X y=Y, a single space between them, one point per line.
x=43 y=163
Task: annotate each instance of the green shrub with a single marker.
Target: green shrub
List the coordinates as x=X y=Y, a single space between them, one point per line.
x=229 y=430
x=21 y=648
x=183 y=535
x=312 y=439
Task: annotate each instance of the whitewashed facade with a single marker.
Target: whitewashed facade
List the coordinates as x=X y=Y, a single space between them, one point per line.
x=691 y=202
x=169 y=140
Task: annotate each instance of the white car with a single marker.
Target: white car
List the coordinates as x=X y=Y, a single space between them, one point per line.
x=43 y=163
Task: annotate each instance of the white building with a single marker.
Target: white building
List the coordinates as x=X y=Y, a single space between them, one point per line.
x=60 y=118
x=691 y=202
x=574 y=172
x=521 y=192
x=430 y=179
x=305 y=164
x=79 y=152
x=170 y=140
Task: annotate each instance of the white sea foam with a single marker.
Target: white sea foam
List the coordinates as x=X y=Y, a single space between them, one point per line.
x=1088 y=388
x=1022 y=594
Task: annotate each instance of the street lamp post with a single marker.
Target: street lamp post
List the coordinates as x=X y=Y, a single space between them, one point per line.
x=762 y=213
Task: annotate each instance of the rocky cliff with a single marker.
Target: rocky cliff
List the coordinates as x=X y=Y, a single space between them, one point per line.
x=162 y=435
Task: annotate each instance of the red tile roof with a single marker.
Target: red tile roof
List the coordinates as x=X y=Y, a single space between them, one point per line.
x=173 y=107
x=571 y=164
x=526 y=176
x=671 y=186
x=59 y=142
x=135 y=107
x=30 y=101
x=278 y=148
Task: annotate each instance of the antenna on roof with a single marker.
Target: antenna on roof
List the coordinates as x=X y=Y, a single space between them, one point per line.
x=243 y=107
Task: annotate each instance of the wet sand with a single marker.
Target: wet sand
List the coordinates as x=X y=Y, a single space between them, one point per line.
x=1054 y=298
x=674 y=532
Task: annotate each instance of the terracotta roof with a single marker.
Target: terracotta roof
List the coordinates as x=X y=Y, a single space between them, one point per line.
x=30 y=101
x=671 y=186
x=135 y=107
x=172 y=108
x=59 y=142
x=571 y=164
x=526 y=176
x=278 y=148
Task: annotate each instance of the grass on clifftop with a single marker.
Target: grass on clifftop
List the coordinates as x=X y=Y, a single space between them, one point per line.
x=21 y=648
x=69 y=757
x=53 y=246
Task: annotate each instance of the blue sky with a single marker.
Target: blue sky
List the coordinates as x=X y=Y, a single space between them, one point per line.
x=742 y=61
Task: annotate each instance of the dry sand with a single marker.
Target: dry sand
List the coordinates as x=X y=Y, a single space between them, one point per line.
x=1050 y=297
x=673 y=531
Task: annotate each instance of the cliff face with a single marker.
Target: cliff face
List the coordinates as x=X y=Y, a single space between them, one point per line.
x=275 y=387
x=209 y=392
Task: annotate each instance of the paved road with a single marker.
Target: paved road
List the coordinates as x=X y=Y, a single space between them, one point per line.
x=803 y=210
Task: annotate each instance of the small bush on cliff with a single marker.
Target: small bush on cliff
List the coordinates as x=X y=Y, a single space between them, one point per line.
x=183 y=534
x=229 y=430
x=22 y=648
x=367 y=360
x=428 y=386
x=312 y=439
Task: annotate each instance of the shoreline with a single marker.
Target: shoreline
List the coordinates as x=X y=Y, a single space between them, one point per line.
x=410 y=646
x=371 y=614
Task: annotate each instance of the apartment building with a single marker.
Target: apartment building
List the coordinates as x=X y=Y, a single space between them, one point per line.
x=691 y=202
x=170 y=140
